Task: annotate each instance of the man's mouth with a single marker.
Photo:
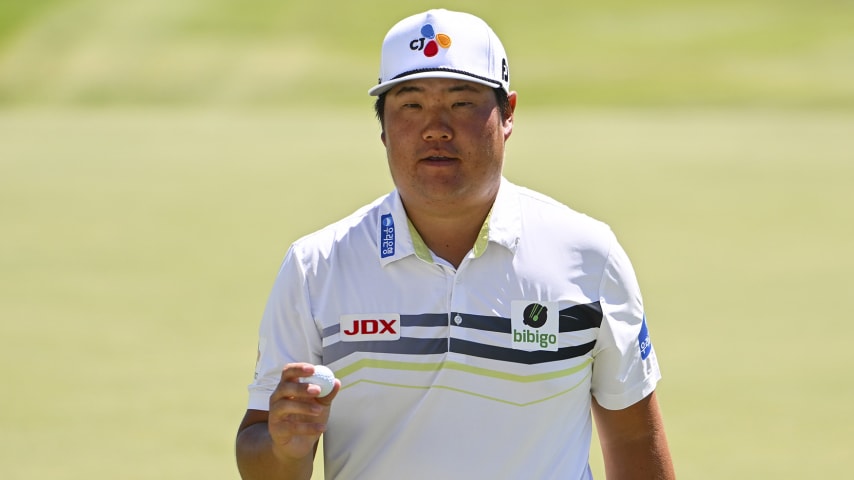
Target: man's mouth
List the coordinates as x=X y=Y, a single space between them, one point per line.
x=439 y=159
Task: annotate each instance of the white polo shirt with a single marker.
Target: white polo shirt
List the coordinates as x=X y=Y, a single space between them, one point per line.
x=485 y=371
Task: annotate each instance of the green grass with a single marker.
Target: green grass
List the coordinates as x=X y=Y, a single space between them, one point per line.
x=16 y=17
x=265 y=53
x=157 y=158
x=139 y=246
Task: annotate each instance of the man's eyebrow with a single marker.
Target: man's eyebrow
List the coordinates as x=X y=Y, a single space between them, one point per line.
x=461 y=87
x=407 y=89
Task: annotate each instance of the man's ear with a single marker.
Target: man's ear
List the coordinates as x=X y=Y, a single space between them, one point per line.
x=512 y=98
x=508 y=120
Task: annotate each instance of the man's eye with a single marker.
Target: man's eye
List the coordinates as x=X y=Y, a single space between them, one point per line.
x=462 y=104
x=411 y=105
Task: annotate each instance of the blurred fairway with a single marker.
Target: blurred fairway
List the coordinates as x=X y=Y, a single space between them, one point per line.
x=273 y=53
x=157 y=158
x=138 y=249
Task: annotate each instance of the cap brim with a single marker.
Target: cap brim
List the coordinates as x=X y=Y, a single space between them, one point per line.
x=386 y=86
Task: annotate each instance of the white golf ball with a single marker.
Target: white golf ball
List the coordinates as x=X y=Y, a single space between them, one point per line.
x=323 y=378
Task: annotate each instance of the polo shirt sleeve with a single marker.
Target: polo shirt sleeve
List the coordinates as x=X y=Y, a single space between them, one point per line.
x=287 y=332
x=625 y=367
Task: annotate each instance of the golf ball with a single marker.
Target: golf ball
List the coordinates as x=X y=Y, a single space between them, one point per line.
x=323 y=378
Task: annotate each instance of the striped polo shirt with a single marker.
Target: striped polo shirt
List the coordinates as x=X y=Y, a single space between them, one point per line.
x=481 y=371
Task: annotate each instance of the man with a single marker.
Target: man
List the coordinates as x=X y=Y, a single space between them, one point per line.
x=473 y=324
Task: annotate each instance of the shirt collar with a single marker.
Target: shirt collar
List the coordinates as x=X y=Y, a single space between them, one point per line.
x=394 y=238
x=505 y=219
x=503 y=226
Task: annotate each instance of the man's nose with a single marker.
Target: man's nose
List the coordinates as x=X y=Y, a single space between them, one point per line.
x=437 y=128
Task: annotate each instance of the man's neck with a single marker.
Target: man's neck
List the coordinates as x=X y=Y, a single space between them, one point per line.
x=452 y=234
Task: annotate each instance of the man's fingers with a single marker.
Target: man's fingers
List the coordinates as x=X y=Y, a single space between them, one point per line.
x=294 y=425
x=290 y=387
x=293 y=371
x=327 y=400
x=281 y=409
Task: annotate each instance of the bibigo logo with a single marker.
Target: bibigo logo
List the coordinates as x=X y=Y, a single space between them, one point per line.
x=430 y=41
x=534 y=325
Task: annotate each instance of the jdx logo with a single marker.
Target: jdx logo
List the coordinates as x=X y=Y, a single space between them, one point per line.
x=430 y=41
x=370 y=326
x=535 y=325
x=386 y=236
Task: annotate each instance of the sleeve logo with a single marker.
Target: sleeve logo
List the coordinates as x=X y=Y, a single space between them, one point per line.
x=644 y=342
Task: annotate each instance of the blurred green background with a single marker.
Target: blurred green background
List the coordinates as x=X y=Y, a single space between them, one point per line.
x=274 y=53
x=157 y=158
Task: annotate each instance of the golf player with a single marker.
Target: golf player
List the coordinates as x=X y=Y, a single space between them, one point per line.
x=476 y=328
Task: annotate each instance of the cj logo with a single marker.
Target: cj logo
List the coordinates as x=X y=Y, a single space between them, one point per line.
x=430 y=41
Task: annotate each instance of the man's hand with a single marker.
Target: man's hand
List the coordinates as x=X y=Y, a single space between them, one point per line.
x=281 y=442
x=297 y=416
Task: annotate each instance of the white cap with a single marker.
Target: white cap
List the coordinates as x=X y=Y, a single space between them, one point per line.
x=442 y=44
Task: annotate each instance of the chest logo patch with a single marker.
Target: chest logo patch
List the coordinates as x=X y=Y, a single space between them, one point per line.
x=535 y=325
x=370 y=327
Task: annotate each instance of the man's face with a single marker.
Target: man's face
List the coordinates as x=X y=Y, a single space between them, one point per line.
x=444 y=140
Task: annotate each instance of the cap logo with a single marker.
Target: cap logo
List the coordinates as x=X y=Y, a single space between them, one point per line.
x=430 y=41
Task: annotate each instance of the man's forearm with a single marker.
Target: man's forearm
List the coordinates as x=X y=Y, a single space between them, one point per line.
x=634 y=445
x=645 y=458
x=256 y=461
